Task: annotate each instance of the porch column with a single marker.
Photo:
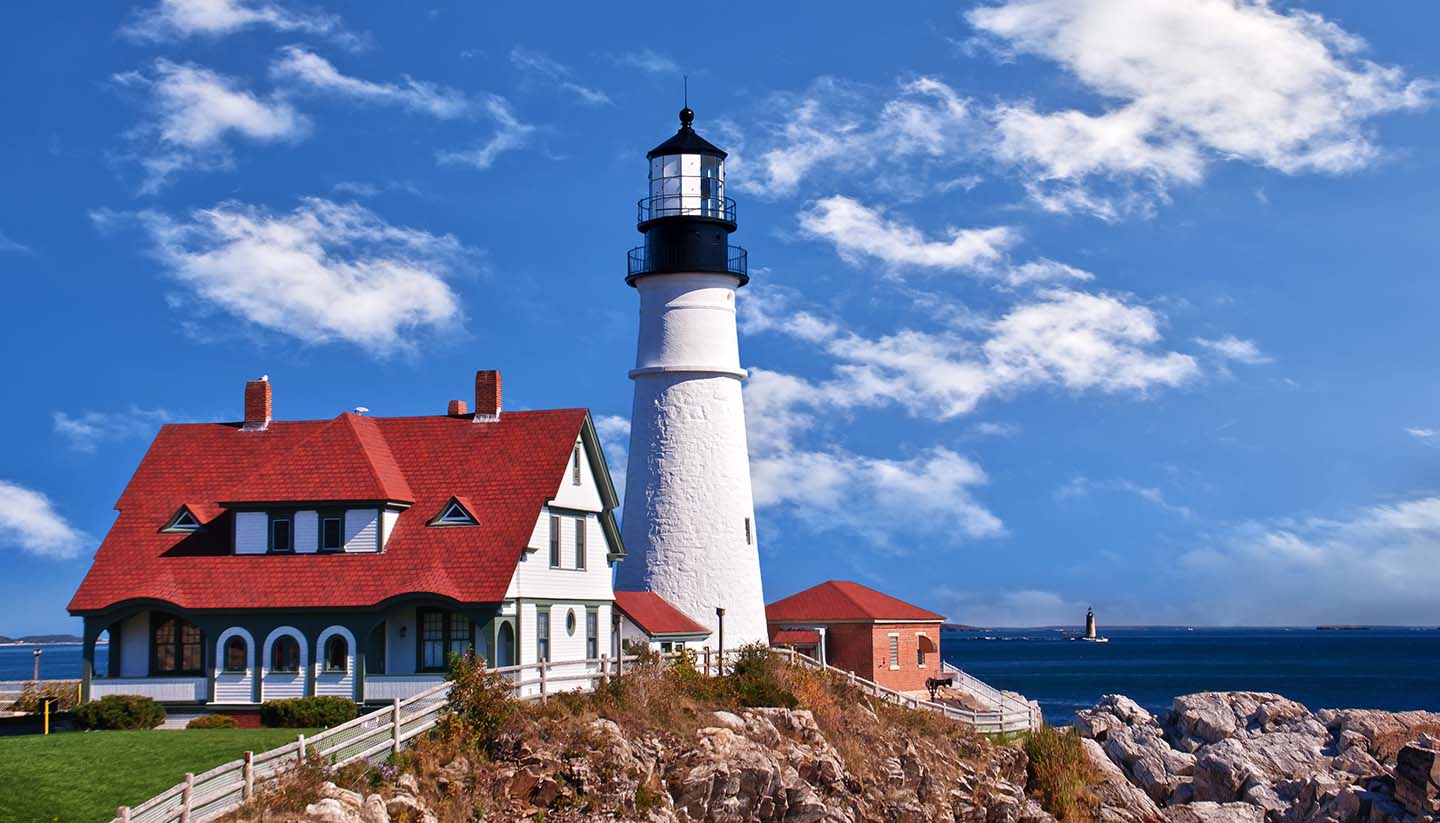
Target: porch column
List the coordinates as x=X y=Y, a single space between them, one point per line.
x=92 y=631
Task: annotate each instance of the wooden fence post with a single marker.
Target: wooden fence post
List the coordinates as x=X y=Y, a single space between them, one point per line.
x=248 y=775
x=604 y=670
x=123 y=814
x=707 y=661
x=301 y=741
x=185 y=795
x=395 y=726
x=543 y=695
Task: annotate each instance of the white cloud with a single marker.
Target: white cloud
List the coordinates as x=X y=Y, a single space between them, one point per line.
x=6 y=244
x=989 y=428
x=510 y=134
x=1186 y=83
x=835 y=125
x=1026 y=607
x=1044 y=270
x=87 y=430
x=1233 y=348
x=195 y=111
x=1430 y=437
x=1080 y=487
x=324 y=272
x=29 y=522
x=857 y=230
x=875 y=498
x=614 y=432
x=648 y=61
x=179 y=19
x=540 y=65
x=303 y=67
x=1380 y=565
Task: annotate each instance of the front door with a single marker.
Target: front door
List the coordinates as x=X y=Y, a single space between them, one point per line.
x=505 y=645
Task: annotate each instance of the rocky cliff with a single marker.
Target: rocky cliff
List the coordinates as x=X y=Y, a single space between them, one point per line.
x=1249 y=757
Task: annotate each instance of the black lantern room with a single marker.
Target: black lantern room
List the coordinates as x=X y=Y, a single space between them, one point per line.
x=686 y=217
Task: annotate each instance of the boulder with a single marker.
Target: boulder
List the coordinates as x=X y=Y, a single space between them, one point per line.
x=1114 y=711
x=1224 y=771
x=373 y=810
x=1384 y=733
x=1417 y=780
x=1213 y=716
x=1149 y=761
x=1120 y=801
x=1205 y=811
x=330 y=810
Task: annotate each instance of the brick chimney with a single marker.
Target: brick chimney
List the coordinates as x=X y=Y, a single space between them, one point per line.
x=487 y=396
x=457 y=408
x=257 y=404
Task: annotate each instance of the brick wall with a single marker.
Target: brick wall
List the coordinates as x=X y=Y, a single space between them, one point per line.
x=864 y=648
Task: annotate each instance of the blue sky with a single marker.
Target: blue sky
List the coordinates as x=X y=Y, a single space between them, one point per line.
x=1054 y=302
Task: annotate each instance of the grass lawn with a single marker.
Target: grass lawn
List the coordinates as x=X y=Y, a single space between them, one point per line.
x=82 y=777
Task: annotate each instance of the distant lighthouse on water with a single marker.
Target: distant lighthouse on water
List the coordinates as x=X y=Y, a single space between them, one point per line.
x=1090 y=633
x=689 y=521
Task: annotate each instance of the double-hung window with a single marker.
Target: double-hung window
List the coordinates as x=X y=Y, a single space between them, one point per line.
x=542 y=634
x=441 y=635
x=580 y=542
x=554 y=541
x=592 y=634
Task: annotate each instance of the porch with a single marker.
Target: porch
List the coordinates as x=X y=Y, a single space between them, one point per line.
x=244 y=659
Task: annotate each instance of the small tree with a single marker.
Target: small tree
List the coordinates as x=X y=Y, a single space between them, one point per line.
x=480 y=700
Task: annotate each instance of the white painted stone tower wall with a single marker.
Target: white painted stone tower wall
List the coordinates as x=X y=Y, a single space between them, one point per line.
x=689 y=520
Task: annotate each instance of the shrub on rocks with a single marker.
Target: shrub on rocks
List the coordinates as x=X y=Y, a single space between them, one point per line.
x=1060 y=775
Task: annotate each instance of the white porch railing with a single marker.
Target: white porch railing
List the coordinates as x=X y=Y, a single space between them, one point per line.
x=382 y=687
x=372 y=736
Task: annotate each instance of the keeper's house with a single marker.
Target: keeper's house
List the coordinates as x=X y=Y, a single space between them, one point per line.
x=856 y=628
x=267 y=559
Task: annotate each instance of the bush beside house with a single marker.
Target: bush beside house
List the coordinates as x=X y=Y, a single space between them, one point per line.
x=120 y=711
x=307 y=712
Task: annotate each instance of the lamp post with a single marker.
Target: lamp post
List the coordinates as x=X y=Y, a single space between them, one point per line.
x=36 y=672
x=720 y=621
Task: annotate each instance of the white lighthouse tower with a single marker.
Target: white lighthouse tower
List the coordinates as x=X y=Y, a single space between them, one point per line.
x=689 y=526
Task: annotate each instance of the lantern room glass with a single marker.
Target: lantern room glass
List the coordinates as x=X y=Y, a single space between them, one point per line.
x=687 y=184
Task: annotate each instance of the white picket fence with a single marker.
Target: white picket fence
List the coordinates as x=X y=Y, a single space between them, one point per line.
x=376 y=735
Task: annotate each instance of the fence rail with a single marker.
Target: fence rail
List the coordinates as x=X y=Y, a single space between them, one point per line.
x=377 y=734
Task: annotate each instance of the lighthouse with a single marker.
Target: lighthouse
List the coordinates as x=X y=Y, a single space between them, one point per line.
x=689 y=522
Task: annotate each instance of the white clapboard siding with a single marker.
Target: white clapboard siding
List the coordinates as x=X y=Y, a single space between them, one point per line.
x=586 y=495
x=250 y=537
x=306 y=535
x=362 y=530
x=535 y=577
x=337 y=684
x=278 y=685
x=166 y=689
x=235 y=687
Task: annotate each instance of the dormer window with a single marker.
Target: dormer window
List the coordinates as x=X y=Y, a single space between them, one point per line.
x=183 y=521
x=454 y=514
x=281 y=533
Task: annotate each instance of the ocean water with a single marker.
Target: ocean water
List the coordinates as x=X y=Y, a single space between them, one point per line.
x=56 y=662
x=1379 y=668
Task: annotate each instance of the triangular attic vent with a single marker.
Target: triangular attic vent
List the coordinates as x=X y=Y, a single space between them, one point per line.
x=454 y=514
x=183 y=521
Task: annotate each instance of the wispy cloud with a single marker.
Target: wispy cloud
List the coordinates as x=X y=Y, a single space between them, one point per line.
x=322 y=273
x=510 y=134
x=195 y=112
x=1022 y=608
x=6 y=244
x=29 y=522
x=1079 y=487
x=299 y=66
x=1428 y=436
x=87 y=430
x=1186 y=84
x=1233 y=348
x=180 y=19
x=859 y=231
x=538 y=65
x=648 y=60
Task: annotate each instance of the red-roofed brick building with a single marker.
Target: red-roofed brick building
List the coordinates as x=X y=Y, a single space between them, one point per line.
x=856 y=628
x=268 y=558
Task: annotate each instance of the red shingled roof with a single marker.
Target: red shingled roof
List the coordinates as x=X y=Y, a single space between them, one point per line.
x=794 y=637
x=843 y=600
x=507 y=469
x=654 y=614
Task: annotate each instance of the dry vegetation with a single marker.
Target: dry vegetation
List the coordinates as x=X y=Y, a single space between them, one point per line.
x=1060 y=776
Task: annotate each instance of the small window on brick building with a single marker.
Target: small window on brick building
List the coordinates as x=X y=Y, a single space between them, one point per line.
x=894 y=651
x=920 y=650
